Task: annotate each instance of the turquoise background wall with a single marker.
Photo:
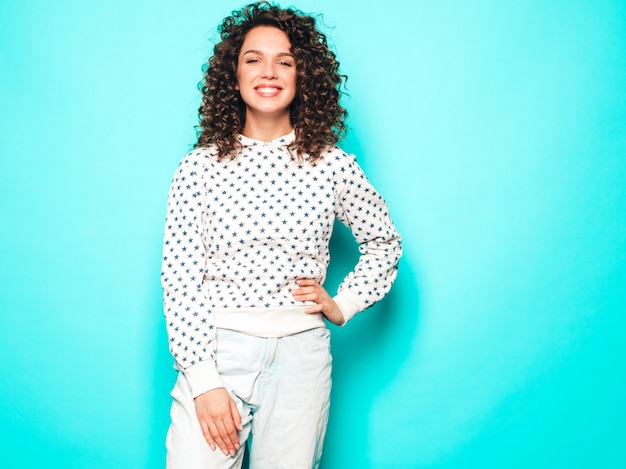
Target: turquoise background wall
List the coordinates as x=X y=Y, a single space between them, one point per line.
x=495 y=130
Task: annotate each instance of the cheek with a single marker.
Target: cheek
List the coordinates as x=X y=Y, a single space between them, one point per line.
x=242 y=76
x=294 y=80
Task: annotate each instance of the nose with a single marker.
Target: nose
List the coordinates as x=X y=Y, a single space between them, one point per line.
x=269 y=70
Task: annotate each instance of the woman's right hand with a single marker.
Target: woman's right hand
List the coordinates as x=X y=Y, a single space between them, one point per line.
x=219 y=420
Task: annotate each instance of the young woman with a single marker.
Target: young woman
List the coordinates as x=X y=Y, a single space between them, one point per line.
x=249 y=219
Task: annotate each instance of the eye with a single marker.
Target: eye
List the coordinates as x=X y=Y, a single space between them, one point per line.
x=252 y=61
x=286 y=64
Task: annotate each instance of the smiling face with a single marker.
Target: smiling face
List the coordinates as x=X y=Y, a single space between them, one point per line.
x=266 y=76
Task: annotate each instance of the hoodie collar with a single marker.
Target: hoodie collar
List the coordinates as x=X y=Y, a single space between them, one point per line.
x=277 y=142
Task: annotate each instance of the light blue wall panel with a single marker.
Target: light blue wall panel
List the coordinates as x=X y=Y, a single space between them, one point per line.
x=495 y=130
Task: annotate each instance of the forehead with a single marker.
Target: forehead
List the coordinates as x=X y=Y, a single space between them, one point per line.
x=266 y=39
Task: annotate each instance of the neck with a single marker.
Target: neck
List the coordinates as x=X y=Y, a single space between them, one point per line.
x=267 y=128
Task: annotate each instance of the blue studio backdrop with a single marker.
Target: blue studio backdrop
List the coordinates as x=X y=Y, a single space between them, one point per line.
x=496 y=131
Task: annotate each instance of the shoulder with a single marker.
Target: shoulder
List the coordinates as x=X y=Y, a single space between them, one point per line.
x=198 y=161
x=200 y=155
x=336 y=157
x=195 y=164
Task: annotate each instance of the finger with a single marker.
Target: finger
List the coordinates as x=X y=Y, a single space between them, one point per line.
x=306 y=282
x=318 y=308
x=236 y=417
x=229 y=435
x=308 y=290
x=207 y=436
x=217 y=437
x=310 y=297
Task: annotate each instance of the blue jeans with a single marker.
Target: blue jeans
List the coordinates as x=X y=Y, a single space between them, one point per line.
x=282 y=390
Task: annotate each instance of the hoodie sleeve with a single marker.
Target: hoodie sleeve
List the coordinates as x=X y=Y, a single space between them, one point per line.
x=361 y=208
x=190 y=321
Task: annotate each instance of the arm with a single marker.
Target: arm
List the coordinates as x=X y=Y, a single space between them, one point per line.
x=360 y=207
x=190 y=321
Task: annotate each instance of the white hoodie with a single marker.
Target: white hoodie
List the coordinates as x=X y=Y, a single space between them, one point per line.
x=239 y=233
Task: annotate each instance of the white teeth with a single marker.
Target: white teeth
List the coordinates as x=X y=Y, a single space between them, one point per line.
x=267 y=90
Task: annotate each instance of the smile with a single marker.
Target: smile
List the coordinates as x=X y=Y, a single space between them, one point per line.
x=267 y=91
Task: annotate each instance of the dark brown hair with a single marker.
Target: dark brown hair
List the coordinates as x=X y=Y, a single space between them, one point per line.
x=316 y=115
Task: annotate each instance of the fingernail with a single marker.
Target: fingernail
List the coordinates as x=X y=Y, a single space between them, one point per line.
x=232 y=453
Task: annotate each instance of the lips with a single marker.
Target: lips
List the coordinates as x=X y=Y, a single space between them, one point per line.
x=267 y=91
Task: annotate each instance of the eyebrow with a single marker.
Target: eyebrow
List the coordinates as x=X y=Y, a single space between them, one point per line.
x=280 y=54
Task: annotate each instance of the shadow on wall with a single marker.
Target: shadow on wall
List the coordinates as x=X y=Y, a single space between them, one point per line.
x=164 y=379
x=367 y=354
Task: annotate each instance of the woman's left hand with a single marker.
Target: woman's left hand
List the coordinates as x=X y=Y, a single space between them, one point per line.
x=310 y=290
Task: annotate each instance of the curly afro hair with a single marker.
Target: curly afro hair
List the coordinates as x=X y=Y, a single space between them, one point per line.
x=317 y=117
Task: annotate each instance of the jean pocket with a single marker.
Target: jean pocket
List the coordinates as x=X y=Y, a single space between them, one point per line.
x=319 y=332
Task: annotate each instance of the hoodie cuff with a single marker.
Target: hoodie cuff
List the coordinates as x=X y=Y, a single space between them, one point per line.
x=349 y=303
x=203 y=377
